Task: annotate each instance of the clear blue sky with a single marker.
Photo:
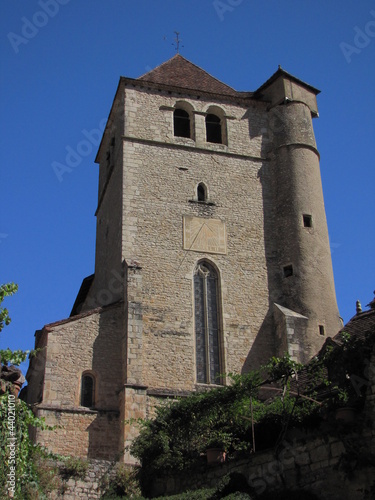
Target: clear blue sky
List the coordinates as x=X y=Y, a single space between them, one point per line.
x=60 y=67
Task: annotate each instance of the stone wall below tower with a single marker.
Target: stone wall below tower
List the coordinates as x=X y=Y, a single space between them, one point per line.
x=89 y=343
x=80 y=433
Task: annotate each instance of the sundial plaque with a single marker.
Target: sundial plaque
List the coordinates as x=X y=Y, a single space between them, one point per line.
x=204 y=235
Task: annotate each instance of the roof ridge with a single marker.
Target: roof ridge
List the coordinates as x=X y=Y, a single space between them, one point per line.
x=180 y=72
x=158 y=66
x=201 y=69
x=280 y=71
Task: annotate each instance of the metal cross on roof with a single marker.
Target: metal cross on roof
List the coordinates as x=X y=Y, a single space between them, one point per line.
x=177 y=42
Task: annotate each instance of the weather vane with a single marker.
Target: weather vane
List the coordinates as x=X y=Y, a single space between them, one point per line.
x=177 y=42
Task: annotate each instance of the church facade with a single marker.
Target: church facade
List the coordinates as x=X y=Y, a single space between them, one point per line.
x=212 y=254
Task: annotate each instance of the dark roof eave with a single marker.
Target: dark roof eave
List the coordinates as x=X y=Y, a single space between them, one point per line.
x=185 y=90
x=71 y=319
x=282 y=72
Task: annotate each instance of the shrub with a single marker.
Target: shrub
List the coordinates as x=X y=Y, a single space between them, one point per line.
x=184 y=429
x=123 y=483
x=74 y=467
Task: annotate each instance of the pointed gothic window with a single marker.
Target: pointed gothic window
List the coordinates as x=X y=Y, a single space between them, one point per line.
x=181 y=123
x=213 y=129
x=207 y=324
x=87 y=390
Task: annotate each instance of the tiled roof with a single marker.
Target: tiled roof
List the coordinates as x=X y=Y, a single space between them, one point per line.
x=359 y=326
x=179 y=72
x=282 y=72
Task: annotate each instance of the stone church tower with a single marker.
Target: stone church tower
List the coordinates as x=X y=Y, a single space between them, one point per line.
x=212 y=254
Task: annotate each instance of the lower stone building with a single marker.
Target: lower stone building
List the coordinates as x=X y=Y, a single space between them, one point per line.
x=212 y=254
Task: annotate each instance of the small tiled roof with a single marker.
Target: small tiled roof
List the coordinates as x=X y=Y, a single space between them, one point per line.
x=282 y=72
x=359 y=326
x=179 y=72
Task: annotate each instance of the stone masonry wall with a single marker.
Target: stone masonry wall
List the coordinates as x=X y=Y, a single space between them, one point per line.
x=335 y=462
x=149 y=116
x=87 y=343
x=155 y=242
x=90 y=487
x=314 y=463
x=311 y=463
x=160 y=183
x=81 y=433
x=147 y=194
x=294 y=174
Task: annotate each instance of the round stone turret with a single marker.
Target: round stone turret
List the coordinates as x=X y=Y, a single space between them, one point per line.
x=298 y=250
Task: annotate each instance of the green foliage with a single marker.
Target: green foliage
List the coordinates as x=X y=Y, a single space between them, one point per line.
x=347 y=369
x=20 y=459
x=74 y=467
x=5 y=291
x=6 y=355
x=13 y=357
x=123 y=483
x=184 y=429
x=16 y=449
x=47 y=477
x=232 y=486
x=282 y=368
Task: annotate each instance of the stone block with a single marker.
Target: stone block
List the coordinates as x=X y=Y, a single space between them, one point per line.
x=320 y=453
x=302 y=458
x=337 y=449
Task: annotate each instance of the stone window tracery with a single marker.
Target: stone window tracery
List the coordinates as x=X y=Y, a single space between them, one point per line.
x=207 y=324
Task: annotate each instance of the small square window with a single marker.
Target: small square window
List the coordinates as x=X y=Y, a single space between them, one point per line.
x=307 y=220
x=288 y=271
x=321 y=330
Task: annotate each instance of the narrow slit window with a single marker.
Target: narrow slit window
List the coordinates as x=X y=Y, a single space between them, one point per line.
x=201 y=192
x=307 y=220
x=288 y=271
x=321 y=330
x=87 y=391
x=213 y=129
x=181 y=123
